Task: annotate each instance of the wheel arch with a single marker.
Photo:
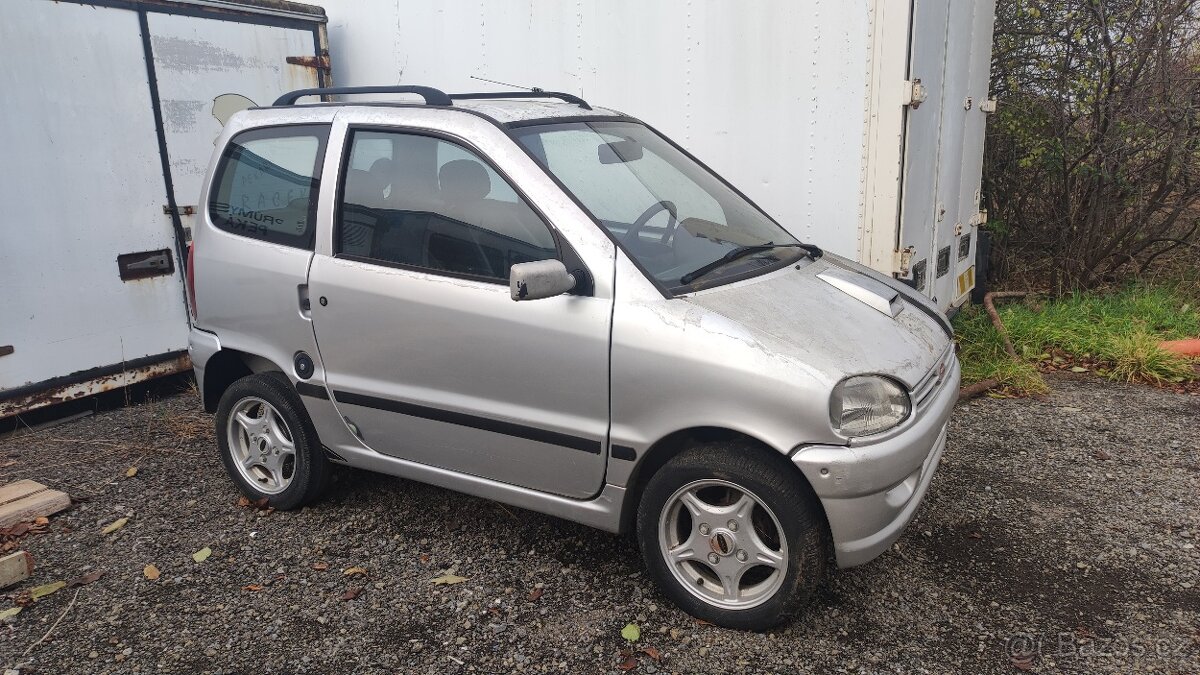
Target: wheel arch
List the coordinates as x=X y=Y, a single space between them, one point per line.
x=673 y=444
x=228 y=366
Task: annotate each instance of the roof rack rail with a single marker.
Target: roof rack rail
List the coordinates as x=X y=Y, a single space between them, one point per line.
x=534 y=93
x=432 y=96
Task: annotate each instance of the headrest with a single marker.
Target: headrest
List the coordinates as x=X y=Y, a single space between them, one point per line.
x=464 y=179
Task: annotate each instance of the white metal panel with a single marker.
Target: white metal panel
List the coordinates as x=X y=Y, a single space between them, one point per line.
x=82 y=184
x=771 y=94
x=978 y=88
x=919 y=209
x=206 y=70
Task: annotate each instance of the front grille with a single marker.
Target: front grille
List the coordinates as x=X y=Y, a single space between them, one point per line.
x=931 y=383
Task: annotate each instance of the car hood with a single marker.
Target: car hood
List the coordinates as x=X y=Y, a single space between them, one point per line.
x=837 y=317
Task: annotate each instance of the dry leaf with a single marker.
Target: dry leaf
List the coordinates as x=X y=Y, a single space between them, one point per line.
x=424 y=558
x=252 y=587
x=352 y=593
x=320 y=566
x=150 y=572
x=351 y=571
x=46 y=589
x=702 y=622
x=131 y=472
x=1100 y=454
x=448 y=579
x=40 y=521
x=202 y=555
x=975 y=535
x=652 y=652
x=535 y=594
x=114 y=526
x=10 y=612
x=86 y=579
x=628 y=664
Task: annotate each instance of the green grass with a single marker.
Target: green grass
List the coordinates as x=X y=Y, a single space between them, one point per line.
x=1116 y=334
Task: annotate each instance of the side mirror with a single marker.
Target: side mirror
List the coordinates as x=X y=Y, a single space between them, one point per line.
x=541 y=279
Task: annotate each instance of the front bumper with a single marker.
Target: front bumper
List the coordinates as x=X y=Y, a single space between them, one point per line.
x=870 y=492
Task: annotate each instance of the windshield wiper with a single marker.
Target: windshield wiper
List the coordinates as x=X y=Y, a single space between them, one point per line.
x=741 y=252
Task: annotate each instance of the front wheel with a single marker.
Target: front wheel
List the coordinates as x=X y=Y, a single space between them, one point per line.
x=733 y=535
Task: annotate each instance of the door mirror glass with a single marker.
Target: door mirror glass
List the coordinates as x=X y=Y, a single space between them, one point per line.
x=619 y=152
x=541 y=279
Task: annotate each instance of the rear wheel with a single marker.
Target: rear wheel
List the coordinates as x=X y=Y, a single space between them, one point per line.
x=733 y=535
x=268 y=444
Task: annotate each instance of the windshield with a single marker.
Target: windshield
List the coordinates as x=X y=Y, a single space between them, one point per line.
x=669 y=213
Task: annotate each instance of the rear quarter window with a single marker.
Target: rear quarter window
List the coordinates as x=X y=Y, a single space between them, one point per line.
x=267 y=182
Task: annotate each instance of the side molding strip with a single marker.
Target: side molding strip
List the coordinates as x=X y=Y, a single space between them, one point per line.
x=473 y=421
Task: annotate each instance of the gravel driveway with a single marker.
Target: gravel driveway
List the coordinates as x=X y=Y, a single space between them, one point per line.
x=1059 y=535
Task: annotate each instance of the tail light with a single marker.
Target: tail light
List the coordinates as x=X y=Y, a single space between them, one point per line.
x=191 y=278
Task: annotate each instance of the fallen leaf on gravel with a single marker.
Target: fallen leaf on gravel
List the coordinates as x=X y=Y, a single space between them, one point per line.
x=535 y=594
x=974 y=535
x=1078 y=369
x=351 y=571
x=40 y=521
x=424 y=558
x=86 y=579
x=352 y=593
x=46 y=589
x=447 y=579
x=150 y=572
x=260 y=504
x=631 y=632
x=320 y=566
x=628 y=664
x=702 y=622
x=252 y=587
x=1100 y=454
x=114 y=526
x=652 y=653
x=10 y=612
x=202 y=555
x=131 y=472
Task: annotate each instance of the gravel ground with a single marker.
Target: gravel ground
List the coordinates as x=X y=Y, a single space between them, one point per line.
x=1059 y=535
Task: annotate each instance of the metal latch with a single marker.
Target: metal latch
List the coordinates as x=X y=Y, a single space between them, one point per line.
x=179 y=210
x=988 y=106
x=902 y=259
x=915 y=93
x=146 y=264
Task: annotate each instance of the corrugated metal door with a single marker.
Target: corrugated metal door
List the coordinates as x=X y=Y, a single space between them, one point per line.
x=919 y=210
x=83 y=184
x=950 y=52
x=208 y=69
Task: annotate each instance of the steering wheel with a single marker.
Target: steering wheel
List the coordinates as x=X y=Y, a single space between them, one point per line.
x=635 y=229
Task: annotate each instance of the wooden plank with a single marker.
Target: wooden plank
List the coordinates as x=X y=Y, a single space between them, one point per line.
x=15 y=567
x=26 y=500
x=16 y=490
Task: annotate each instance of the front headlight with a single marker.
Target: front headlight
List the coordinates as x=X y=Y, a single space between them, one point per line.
x=867 y=404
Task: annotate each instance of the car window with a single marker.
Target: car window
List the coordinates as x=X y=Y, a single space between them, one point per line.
x=425 y=202
x=267 y=183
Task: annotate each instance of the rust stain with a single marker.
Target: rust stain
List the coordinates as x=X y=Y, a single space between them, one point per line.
x=70 y=392
x=318 y=62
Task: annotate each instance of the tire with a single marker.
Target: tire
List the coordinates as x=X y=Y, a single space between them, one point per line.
x=784 y=559
x=268 y=444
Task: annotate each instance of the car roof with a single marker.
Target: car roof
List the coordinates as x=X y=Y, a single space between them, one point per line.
x=501 y=107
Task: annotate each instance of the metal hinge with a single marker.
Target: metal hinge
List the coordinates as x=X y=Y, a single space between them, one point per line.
x=988 y=106
x=915 y=93
x=179 y=210
x=902 y=260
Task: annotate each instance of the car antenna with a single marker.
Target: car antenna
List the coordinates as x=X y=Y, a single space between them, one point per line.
x=536 y=90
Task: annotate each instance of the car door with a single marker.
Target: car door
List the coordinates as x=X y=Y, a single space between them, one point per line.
x=426 y=355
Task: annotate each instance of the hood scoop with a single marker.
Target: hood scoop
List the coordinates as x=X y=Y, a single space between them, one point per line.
x=874 y=294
